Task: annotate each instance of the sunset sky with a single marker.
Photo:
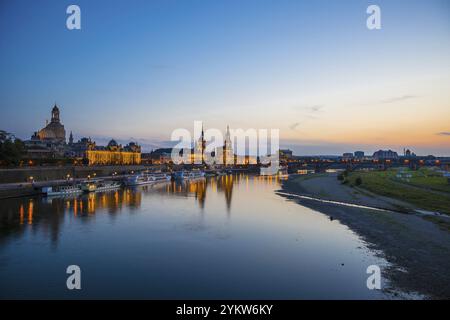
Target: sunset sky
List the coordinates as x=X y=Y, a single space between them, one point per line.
x=140 y=69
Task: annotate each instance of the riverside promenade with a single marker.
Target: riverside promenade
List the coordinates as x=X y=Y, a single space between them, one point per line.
x=28 y=181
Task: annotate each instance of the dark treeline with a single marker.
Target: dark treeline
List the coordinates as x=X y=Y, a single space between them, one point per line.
x=11 y=149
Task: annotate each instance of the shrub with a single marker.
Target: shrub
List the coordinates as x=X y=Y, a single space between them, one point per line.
x=358 y=181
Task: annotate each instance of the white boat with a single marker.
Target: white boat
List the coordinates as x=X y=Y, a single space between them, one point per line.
x=161 y=177
x=189 y=175
x=195 y=174
x=107 y=185
x=146 y=178
x=88 y=187
x=62 y=190
x=274 y=171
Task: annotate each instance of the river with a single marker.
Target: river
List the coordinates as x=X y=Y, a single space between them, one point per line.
x=218 y=238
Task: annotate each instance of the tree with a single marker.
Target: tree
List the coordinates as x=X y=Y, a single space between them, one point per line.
x=11 y=148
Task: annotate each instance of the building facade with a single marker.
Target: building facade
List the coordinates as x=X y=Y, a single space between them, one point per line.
x=48 y=142
x=385 y=155
x=53 y=131
x=359 y=154
x=113 y=154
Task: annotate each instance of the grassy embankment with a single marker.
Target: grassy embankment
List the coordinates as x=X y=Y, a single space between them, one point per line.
x=425 y=189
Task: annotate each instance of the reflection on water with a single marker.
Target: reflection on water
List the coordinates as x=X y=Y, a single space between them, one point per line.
x=50 y=212
x=222 y=237
x=222 y=185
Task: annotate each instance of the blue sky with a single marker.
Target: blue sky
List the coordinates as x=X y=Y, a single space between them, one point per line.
x=140 y=69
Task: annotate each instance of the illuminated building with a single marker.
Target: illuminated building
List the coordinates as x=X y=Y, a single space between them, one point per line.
x=223 y=155
x=113 y=153
x=53 y=131
x=48 y=142
x=228 y=155
x=198 y=156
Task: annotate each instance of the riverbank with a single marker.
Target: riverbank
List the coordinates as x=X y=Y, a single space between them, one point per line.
x=417 y=249
x=50 y=173
x=422 y=189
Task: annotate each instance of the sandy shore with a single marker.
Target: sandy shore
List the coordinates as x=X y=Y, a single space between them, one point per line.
x=417 y=248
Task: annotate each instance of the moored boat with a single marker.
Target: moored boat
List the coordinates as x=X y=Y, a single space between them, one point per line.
x=160 y=177
x=146 y=178
x=62 y=190
x=89 y=187
x=188 y=175
x=107 y=185
x=274 y=171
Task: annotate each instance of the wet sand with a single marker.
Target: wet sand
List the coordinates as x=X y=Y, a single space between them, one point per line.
x=417 y=248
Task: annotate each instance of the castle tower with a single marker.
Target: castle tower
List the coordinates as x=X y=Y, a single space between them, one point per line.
x=200 y=149
x=228 y=149
x=55 y=114
x=70 y=138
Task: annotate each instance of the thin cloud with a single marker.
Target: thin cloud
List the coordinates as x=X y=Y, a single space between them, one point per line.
x=307 y=112
x=444 y=133
x=294 y=125
x=316 y=108
x=310 y=109
x=398 y=99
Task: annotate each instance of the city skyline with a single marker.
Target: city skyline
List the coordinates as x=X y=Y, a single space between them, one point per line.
x=67 y=137
x=312 y=70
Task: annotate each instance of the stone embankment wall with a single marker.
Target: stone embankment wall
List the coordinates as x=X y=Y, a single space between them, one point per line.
x=19 y=175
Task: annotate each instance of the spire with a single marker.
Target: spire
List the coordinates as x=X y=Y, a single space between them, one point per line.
x=227 y=135
x=55 y=114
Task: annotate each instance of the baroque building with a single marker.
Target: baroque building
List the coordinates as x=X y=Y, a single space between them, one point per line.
x=113 y=154
x=53 y=131
x=228 y=155
x=224 y=154
x=50 y=143
x=198 y=154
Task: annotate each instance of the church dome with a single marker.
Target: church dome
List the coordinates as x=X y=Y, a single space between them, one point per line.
x=54 y=130
x=112 y=143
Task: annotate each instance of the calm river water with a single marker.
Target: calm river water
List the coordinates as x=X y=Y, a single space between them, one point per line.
x=224 y=237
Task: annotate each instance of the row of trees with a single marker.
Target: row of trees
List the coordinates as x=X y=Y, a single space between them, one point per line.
x=11 y=149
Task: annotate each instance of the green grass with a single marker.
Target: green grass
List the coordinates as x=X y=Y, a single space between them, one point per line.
x=417 y=192
x=427 y=178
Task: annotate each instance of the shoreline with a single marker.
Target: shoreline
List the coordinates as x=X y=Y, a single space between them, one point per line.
x=417 y=249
